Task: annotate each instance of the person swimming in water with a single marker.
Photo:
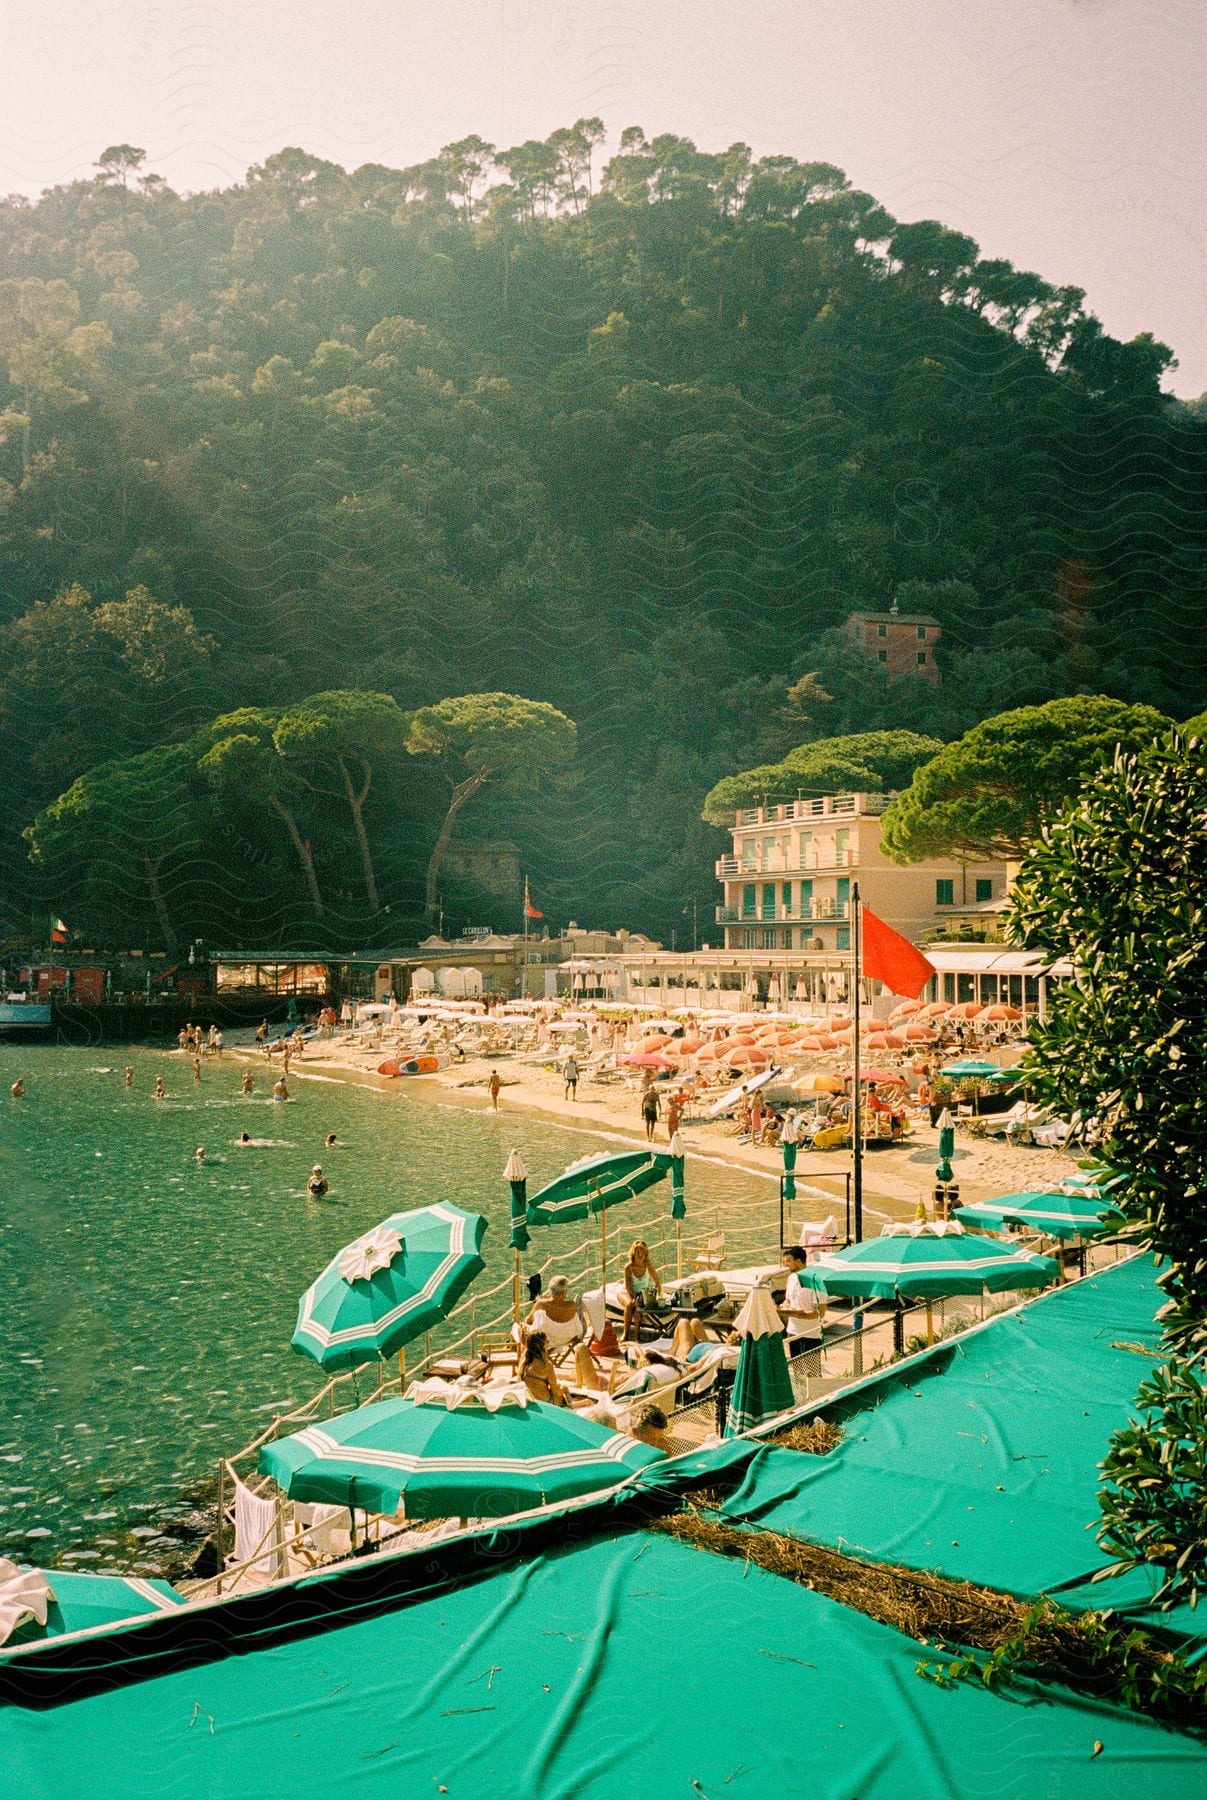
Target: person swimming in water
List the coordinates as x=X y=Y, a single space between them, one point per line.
x=331 y=1142
x=248 y=1084
x=129 y=1075
x=161 y=1092
x=244 y=1137
x=318 y=1184
x=199 y=1153
x=17 y=1090
x=280 y=1091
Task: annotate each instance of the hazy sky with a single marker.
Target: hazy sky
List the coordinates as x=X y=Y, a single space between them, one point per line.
x=1067 y=135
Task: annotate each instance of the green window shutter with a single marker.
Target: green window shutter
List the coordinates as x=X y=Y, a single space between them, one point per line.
x=786 y=896
x=769 y=900
x=843 y=938
x=984 y=889
x=749 y=906
x=806 y=899
x=945 y=893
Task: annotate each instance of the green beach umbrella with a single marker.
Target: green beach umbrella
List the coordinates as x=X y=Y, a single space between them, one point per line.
x=925 y=1264
x=1060 y=1215
x=971 y=1068
x=454 y=1453
x=37 y=1604
x=390 y=1285
x=595 y=1183
x=1094 y=1182
x=516 y=1177
x=762 y=1386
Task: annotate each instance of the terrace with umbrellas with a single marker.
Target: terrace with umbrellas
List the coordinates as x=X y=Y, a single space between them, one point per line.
x=432 y=1421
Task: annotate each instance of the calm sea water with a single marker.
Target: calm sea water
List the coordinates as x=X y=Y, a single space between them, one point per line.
x=148 y=1302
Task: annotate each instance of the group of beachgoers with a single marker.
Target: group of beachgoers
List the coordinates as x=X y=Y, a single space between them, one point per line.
x=556 y=1336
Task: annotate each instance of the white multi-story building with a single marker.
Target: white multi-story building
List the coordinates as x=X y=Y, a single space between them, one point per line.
x=787 y=881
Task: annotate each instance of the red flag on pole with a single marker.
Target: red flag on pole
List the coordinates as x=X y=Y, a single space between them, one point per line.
x=892 y=959
x=530 y=911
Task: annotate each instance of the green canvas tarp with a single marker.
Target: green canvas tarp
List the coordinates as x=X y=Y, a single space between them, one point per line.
x=980 y=1460
x=627 y=1668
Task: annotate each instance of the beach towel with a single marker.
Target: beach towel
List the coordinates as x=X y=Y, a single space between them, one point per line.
x=258 y=1533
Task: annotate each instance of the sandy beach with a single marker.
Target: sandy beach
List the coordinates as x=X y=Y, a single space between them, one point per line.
x=895 y=1179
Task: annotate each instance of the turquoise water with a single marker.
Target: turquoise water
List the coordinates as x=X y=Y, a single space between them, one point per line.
x=148 y=1302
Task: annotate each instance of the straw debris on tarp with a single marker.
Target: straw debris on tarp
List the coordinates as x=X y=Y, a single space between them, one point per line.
x=1033 y=1640
x=816 y=1436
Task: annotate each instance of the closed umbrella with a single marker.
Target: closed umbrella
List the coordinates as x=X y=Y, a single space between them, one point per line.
x=1060 y=1215
x=762 y=1386
x=516 y=1176
x=390 y=1285
x=452 y=1452
x=789 y=1138
x=678 y=1200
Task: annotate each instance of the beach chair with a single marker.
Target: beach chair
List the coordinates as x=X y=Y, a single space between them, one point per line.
x=711 y=1255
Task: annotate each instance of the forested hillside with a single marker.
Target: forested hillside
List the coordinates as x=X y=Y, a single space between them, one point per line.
x=629 y=440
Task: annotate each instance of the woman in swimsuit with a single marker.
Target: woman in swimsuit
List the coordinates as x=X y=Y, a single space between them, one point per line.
x=555 y=1316
x=642 y=1283
x=538 y=1373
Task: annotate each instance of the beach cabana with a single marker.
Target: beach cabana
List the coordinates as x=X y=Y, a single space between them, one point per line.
x=448 y=1452
x=390 y=1285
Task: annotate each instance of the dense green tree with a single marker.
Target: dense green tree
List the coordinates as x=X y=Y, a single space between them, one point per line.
x=633 y=443
x=1116 y=882
x=989 y=793
x=870 y=761
x=238 y=755
x=480 y=738
x=345 y=735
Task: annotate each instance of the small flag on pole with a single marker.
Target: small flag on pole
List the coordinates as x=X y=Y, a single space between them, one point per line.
x=892 y=959
x=530 y=911
x=58 y=930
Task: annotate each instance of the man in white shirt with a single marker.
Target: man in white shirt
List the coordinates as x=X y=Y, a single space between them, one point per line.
x=804 y=1309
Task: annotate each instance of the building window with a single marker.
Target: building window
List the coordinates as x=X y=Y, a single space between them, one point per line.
x=921 y=658
x=882 y=631
x=843 y=938
x=949 y=988
x=883 y=654
x=945 y=893
x=806 y=899
x=984 y=889
x=749 y=903
x=769 y=900
x=786 y=898
x=921 y=631
x=748 y=938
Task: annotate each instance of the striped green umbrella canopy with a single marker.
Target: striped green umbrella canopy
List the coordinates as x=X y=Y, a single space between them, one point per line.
x=1061 y=1215
x=390 y=1285
x=926 y=1266
x=78 y=1602
x=453 y=1457
x=596 y=1183
x=970 y=1067
x=1094 y=1183
x=762 y=1386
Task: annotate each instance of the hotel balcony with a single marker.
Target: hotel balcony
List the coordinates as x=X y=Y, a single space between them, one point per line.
x=731 y=868
x=820 y=910
x=832 y=806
